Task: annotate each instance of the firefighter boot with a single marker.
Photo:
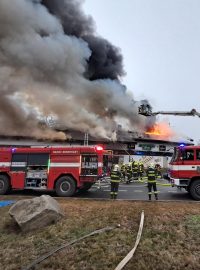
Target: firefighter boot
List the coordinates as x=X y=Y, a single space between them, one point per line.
x=149 y=197
x=115 y=196
x=156 y=197
x=111 y=196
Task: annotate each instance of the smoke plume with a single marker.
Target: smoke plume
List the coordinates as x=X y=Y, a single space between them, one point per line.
x=52 y=62
x=105 y=60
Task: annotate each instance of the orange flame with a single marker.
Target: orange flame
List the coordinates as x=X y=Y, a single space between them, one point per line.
x=161 y=129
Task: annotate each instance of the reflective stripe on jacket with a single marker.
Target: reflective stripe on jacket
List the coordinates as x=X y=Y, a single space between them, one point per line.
x=115 y=176
x=141 y=168
x=135 y=167
x=123 y=168
x=151 y=174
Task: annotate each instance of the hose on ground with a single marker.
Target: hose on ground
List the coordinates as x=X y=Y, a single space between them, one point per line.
x=131 y=253
x=44 y=257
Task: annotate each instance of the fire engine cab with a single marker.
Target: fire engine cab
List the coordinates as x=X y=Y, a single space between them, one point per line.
x=184 y=169
x=60 y=169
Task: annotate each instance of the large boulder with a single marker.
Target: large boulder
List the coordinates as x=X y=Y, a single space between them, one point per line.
x=36 y=213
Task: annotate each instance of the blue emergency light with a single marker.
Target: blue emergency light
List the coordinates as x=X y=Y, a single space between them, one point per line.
x=182 y=145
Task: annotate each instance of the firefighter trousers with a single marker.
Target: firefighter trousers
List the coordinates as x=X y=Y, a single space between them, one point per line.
x=114 y=190
x=154 y=187
x=140 y=174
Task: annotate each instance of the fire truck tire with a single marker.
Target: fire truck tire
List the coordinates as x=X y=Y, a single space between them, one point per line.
x=65 y=186
x=195 y=190
x=4 y=184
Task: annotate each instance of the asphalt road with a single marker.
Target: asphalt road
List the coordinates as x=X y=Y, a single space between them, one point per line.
x=136 y=191
x=132 y=191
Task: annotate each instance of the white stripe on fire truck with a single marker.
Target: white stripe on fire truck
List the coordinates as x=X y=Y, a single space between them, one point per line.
x=183 y=167
x=100 y=164
x=55 y=164
x=18 y=164
x=5 y=164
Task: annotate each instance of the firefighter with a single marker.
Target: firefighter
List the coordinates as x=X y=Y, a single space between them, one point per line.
x=129 y=173
x=151 y=176
x=132 y=163
x=115 y=178
x=135 y=170
x=140 y=170
x=158 y=170
x=123 y=171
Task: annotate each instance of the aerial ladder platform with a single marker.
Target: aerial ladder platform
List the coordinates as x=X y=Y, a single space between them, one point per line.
x=146 y=110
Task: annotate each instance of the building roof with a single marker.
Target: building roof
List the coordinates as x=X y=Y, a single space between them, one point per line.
x=79 y=137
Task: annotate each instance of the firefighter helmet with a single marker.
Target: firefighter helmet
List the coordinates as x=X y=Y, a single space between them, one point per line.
x=151 y=165
x=116 y=168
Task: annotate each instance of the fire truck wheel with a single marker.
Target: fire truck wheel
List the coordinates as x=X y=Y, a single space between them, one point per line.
x=4 y=184
x=195 y=190
x=65 y=186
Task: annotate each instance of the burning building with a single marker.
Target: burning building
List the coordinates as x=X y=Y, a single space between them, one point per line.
x=53 y=62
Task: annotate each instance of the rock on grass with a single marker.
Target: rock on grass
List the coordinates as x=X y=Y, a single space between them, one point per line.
x=36 y=213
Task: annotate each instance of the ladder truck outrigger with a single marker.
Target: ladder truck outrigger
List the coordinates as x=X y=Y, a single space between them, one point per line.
x=184 y=167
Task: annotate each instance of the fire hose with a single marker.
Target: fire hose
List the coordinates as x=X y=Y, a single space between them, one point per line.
x=44 y=257
x=120 y=265
x=131 y=253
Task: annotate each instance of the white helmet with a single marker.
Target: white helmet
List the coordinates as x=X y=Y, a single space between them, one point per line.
x=116 y=168
x=151 y=165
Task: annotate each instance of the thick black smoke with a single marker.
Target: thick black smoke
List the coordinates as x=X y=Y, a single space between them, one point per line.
x=53 y=64
x=106 y=61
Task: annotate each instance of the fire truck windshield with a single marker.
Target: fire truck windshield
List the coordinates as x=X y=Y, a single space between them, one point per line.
x=175 y=155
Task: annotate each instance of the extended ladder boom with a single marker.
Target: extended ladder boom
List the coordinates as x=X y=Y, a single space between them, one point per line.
x=146 y=110
x=181 y=113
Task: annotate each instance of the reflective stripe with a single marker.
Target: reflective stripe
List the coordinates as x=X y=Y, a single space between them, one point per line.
x=68 y=165
x=18 y=164
x=100 y=164
x=5 y=164
x=114 y=181
x=151 y=181
x=183 y=167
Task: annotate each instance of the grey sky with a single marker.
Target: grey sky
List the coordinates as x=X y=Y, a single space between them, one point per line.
x=160 y=42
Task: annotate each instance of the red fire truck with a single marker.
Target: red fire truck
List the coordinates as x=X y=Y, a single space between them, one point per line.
x=61 y=169
x=184 y=169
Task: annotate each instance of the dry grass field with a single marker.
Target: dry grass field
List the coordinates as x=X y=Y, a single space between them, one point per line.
x=170 y=239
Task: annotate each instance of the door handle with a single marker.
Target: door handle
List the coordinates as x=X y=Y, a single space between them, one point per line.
x=193 y=166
